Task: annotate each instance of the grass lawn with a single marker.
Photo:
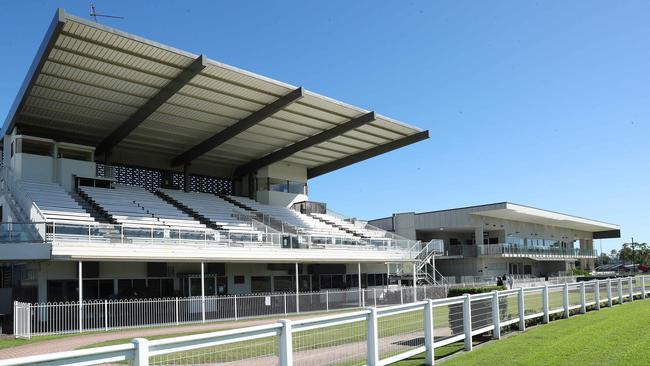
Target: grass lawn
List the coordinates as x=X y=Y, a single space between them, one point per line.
x=616 y=336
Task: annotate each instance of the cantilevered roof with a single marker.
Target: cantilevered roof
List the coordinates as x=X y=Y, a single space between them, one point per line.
x=513 y=211
x=95 y=85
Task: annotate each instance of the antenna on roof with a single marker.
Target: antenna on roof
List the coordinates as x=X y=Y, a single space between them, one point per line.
x=94 y=15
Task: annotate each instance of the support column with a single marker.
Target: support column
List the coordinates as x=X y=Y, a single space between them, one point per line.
x=203 y=291
x=81 y=297
x=297 y=290
x=359 y=280
x=415 y=283
x=478 y=235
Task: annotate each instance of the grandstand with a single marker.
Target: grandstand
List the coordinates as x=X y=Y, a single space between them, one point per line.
x=133 y=169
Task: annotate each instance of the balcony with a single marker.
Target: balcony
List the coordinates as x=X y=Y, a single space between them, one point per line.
x=510 y=250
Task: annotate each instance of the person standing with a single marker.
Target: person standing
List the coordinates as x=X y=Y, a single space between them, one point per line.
x=511 y=281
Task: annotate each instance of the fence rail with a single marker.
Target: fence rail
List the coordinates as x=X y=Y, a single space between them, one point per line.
x=372 y=336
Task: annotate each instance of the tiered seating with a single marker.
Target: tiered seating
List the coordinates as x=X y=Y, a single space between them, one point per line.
x=350 y=226
x=131 y=205
x=308 y=224
x=213 y=208
x=55 y=203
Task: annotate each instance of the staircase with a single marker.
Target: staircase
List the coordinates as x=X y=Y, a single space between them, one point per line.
x=189 y=211
x=426 y=272
x=89 y=206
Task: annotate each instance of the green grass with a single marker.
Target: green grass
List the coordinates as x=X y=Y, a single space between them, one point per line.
x=616 y=336
x=10 y=341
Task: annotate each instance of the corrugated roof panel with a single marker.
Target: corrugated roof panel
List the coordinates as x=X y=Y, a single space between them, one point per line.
x=351 y=146
x=206 y=107
x=220 y=99
x=79 y=99
x=305 y=110
x=62 y=70
x=210 y=81
x=90 y=90
x=69 y=108
x=247 y=81
x=57 y=114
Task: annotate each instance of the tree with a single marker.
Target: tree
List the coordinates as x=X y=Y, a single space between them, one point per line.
x=635 y=253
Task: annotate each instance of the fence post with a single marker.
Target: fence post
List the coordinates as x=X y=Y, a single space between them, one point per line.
x=546 y=319
x=428 y=332
x=609 y=292
x=106 y=315
x=643 y=287
x=286 y=343
x=522 y=310
x=177 y=311
x=401 y=295
x=327 y=300
x=566 y=300
x=372 y=336
x=597 y=294
x=630 y=281
x=496 y=317
x=374 y=296
x=236 y=313
x=467 y=321
x=141 y=356
x=583 y=300
x=285 y=303
x=620 y=290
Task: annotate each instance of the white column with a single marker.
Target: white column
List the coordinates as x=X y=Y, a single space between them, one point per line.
x=545 y=303
x=467 y=322
x=372 y=336
x=620 y=290
x=415 y=280
x=630 y=281
x=428 y=333
x=286 y=344
x=522 y=310
x=597 y=294
x=643 y=287
x=609 y=292
x=359 y=280
x=297 y=290
x=496 y=319
x=141 y=356
x=583 y=298
x=81 y=297
x=566 y=300
x=203 y=291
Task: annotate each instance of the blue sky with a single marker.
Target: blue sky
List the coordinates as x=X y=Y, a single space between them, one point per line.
x=540 y=103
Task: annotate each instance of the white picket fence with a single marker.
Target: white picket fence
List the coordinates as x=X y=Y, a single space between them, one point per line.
x=70 y=317
x=373 y=336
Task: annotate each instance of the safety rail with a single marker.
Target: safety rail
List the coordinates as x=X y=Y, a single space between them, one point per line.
x=372 y=336
x=511 y=250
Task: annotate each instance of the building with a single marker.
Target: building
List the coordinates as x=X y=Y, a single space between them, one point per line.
x=512 y=239
x=140 y=170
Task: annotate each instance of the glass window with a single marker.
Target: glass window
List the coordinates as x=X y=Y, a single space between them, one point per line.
x=261 y=284
x=283 y=283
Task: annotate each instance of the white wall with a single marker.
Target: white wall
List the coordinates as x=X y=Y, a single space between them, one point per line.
x=35 y=167
x=285 y=171
x=66 y=168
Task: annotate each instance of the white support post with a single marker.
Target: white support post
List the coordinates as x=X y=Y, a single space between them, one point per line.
x=643 y=287
x=372 y=335
x=235 y=301
x=415 y=283
x=496 y=317
x=565 y=299
x=359 y=283
x=141 y=356
x=546 y=318
x=630 y=281
x=327 y=300
x=522 y=310
x=81 y=297
x=428 y=333
x=609 y=292
x=467 y=321
x=620 y=290
x=374 y=296
x=597 y=294
x=285 y=303
x=286 y=343
x=583 y=299
x=401 y=295
x=106 y=315
x=177 y=311
x=203 y=292
x=297 y=290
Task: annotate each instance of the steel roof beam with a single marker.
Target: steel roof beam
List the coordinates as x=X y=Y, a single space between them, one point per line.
x=366 y=154
x=153 y=104
x=238 y=127
x=304 y=144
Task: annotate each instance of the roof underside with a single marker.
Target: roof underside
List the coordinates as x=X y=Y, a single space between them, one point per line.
x=510 y=211
x=88 y=79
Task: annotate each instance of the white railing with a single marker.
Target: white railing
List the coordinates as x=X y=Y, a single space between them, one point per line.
x=103 y=315
x=372 y=336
